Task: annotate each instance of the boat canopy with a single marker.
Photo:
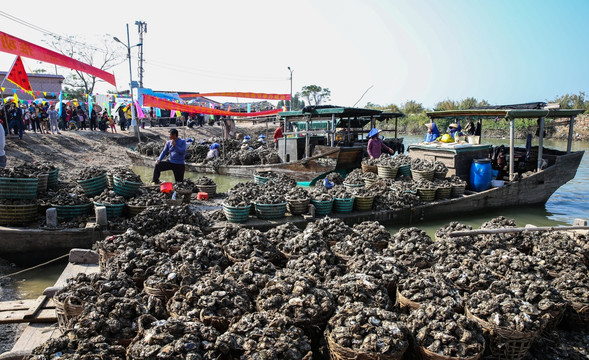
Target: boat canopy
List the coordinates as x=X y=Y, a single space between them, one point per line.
x=329 y=110
x=505 y=113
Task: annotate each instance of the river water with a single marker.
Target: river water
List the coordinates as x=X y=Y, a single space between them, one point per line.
x=568 y=203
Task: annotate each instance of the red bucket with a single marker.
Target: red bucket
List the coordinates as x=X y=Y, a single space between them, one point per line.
x=202 y=196
x=166 y=187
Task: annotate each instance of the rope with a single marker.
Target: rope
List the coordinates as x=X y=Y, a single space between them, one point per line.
x=34 y=267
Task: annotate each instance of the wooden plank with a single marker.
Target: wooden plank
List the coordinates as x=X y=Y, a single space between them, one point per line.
x=35 y=335
x=14 y=317
x=35 y=307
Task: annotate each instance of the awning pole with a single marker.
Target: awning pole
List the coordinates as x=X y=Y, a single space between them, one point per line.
x=570 y=140
x=511 y=148
x=332 y=130
x=540 y=144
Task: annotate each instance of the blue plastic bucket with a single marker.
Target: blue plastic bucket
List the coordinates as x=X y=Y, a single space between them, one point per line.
x=480 y=174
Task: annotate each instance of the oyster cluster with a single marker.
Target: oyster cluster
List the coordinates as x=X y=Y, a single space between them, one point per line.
x=148 y=197
x=90 y=172
x=125 y=174
x=109 y=197
x=64 y=197
x=422 y=165
x=155 y=219
x=26 y=170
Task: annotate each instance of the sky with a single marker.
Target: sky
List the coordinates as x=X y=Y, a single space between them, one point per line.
x=378 y=51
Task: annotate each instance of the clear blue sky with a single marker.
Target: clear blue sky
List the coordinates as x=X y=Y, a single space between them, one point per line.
x=503 y=51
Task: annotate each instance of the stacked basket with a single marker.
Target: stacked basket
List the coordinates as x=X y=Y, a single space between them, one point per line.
x=427 y=194
x=209 y=189
x=387 y=172
x=260 y=180
x=270 y=211
x=124 y=187
x=364 y=203
x=18 y=189
x=457 y=190
x=68 y=212
x=236 y=214
x=297 y=206
x=369 y=168
x=422 y=174
x=404 y=170
x=322 y=207
x=52 y=178
x=112 y=210
x=343 y=205
x=443 y=192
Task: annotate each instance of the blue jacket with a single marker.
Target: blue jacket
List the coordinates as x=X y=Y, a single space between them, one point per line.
x=177 y=152
x=429 y=137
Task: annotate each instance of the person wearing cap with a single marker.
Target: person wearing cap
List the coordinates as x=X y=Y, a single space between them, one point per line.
x=454 y=129
x=432 y=132
x=376 y=146
x=176 y=147
x=262 y=138
x=213 y=151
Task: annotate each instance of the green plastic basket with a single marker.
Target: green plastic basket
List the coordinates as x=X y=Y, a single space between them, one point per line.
x=236 y=214
x=68 y=212
x=112 y=210
x=322 y=207
x=18 y=188
x=404 y=170
x=125 y=188
x=270 y=211
x=343 y=205
x=94 y=186
x=52 y=179
x=260 y=180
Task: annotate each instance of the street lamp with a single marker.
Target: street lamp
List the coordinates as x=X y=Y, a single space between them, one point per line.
x=128 y=46
x=291 y=70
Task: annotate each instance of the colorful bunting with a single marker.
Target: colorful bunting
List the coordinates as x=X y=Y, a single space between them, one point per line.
x=249 y=95
x=149 y=100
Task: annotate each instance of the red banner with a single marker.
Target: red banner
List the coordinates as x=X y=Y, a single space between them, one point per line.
x=16 y=46
x=248 y=95
x=18 y=75
x=149 y=100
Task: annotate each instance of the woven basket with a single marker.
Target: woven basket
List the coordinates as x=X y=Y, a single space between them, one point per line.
x=17 y=214
x=576 y=315
x=364 y=203
x=94 y=186
x=504 y=343
x=457 y=190
x=270 y=211
x=422 y=174
x=52 y=179
x=236 y=214
x=103 y=258
x=218 y=322
x=66 y=312
x=42 y=185
x=125 y=188
x=322 y=207
x=112 y=210
x=298 y=207
x=133 y=210
x=110 y=180
x=163 y=291
x=343 y=205
x=338 y=352
x=353 y=186
x=426 y=194
x=430 y=355
x=68 y=212
x=387 y=172
x=209 y=189
x=405 y=303
x=18 y=188
x=369 y=168
x=443 y=192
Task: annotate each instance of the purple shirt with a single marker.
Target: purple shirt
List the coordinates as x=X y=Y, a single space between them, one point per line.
x=375 y=147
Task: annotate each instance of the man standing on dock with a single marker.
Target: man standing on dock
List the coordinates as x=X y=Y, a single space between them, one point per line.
x=176 y=147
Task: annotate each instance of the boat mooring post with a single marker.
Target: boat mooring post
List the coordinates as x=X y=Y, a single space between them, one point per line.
x=511 y=147
x=570 y=140
x=540 y=143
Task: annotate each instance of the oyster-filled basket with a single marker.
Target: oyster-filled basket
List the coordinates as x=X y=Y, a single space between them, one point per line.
x=504 y=343
x=369 y=168
x=298 y=207
x=270 y=211
x=42 y=185
x=430 y=355
x=404 y=170
x=66 y=312
x=405 y=303
x=94 y=186
x=71 y=211
x=236 y=214
x=427 y=194
x=364 y=203
x=440 y=174
x=457 y=190
x=260 y=180
x=422 y=174
x=17 y=214
x=209 y=189
x=125 y=188
x=443 y=192
x=343 y=205
x=52 y=178
x=112 y=210
x=18 y=188
x=338 y=352
x=103 y=258
x=162 y=291
x=368 y=182
x=577 y=315
x=322 y=207
x=387 y=172
x=353 y=186
x=133 y=210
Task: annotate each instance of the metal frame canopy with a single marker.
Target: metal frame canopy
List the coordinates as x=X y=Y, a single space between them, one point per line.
x=515 y=113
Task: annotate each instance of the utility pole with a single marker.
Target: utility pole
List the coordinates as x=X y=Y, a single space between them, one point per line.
x=142 y=28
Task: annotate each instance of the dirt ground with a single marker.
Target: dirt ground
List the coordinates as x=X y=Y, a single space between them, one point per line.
x=73 y=150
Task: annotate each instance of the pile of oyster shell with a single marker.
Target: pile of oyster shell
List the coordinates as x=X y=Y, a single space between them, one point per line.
x=90 y=172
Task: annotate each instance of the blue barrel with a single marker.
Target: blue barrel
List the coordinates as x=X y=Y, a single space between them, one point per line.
x=480 y=174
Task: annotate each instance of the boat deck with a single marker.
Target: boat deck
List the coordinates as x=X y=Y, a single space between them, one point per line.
x=36 y=334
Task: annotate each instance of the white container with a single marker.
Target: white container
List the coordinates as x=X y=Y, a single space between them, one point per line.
x=497 y=183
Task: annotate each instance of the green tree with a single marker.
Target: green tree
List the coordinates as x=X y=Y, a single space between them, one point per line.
x=297 y=103
x=412 y=107
x=105 y=57
x=483 y=103
x=446 y=105
x=315 y=94
x=468 y=103
x=568 y=101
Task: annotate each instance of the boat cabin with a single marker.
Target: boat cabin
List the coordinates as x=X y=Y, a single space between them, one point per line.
x=316 y=130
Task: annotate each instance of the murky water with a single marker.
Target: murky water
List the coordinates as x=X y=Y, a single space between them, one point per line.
x=569 y=202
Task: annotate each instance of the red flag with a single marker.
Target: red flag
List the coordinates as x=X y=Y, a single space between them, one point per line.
x=18 y=75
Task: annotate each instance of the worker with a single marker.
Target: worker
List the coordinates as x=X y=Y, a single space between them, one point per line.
x=262 y=138
x=176 y=147
x=375 y=145
x=278 y=133
x=213 y=152
x=432 y=132
x=454 y=129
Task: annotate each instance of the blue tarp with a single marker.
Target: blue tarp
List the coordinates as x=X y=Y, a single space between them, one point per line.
x=146 y=91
